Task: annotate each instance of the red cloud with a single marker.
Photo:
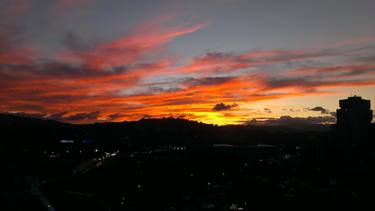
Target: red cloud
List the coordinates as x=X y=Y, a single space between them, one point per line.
x=98 y=83
x=143 y=40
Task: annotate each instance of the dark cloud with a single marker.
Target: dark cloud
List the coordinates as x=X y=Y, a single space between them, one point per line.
x=320 y=109
x=359 y=71
x=147 y=117
x=57 y=116
x=37 y=96
x=33 y=107
x=89 y=116
x=283 y=81
x=37 y=115
x=73 y=42
x=267 y=110
x=310 y=79
x=367 y=58
x=185 y=116
x=116 y=116
x=215 y=56
x=184 y=101
x=288 y=120
x=292 y=110
x=342 y=71
x=234 y=61
x=65 y=116
x=157 y=89
x=43 y=68
x=209 y=81
x=223 y=107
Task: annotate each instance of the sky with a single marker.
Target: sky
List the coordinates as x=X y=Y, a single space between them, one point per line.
x=214 y=61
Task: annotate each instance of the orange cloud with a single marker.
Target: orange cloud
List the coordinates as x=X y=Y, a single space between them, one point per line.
x=116 y=80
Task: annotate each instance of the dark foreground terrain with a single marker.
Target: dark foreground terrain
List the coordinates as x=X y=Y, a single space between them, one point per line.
x=173 y=164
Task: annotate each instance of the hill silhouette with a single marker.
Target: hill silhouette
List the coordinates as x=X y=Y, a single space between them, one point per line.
x=17 y=129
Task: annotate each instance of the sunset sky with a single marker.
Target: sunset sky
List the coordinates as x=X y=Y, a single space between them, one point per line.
x=214 y=61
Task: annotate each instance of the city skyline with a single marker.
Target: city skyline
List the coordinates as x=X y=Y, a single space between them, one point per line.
x=219 y=61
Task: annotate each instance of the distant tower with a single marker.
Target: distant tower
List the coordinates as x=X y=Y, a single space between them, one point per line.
x=354 y=113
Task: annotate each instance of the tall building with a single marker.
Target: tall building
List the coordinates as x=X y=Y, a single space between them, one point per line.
x=354 y=114
x=352 y=133
x=354 y=118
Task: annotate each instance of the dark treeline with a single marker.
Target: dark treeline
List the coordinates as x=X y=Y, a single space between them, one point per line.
x=17 y=130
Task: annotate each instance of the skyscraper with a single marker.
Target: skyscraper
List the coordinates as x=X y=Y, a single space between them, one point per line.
x=354 y=113
x=354 y=121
